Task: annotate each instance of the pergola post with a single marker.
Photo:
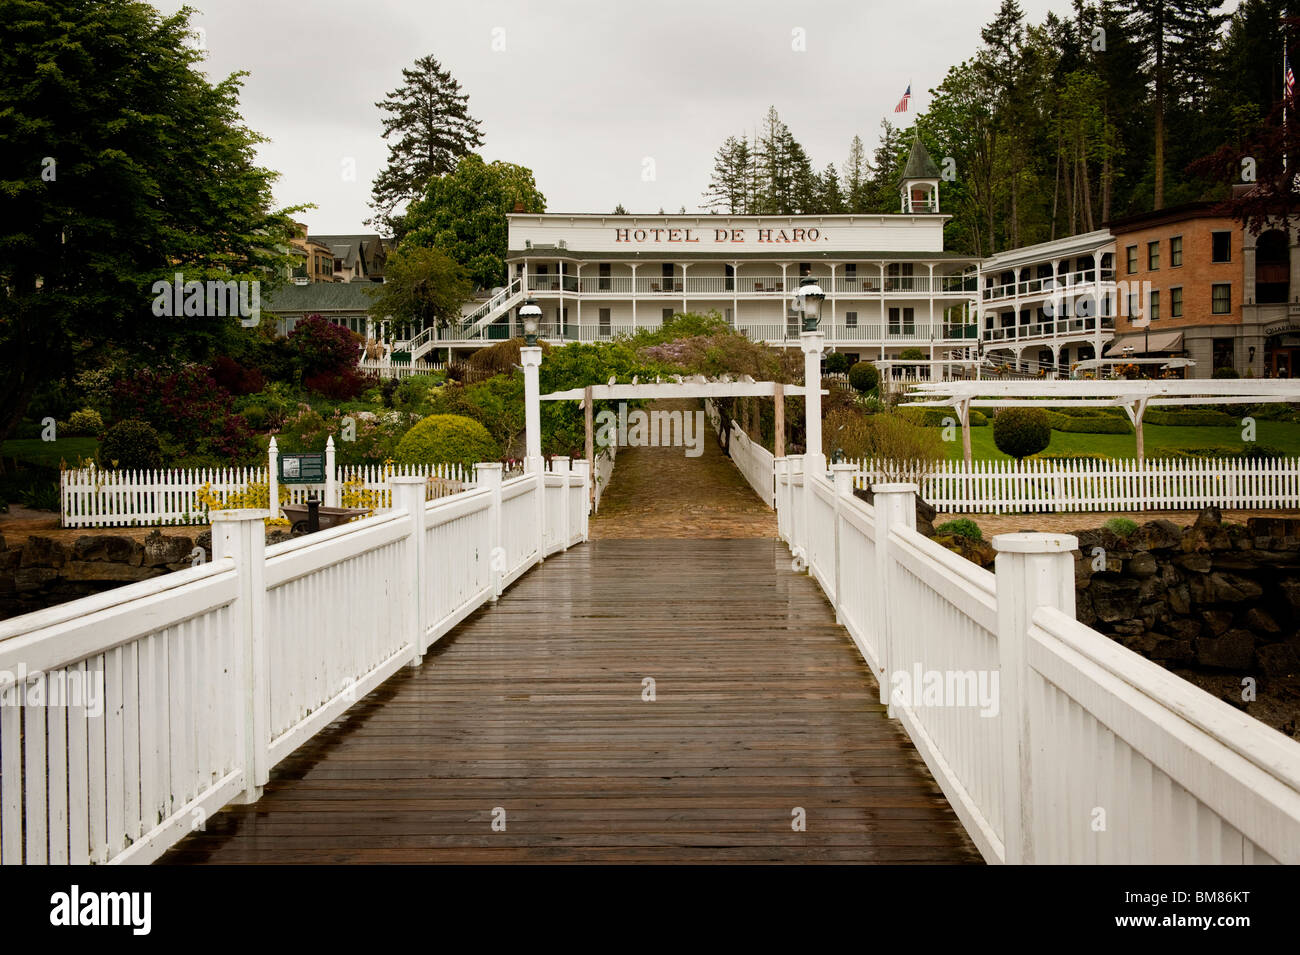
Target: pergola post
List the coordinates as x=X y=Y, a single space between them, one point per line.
x=1135 y=412
x=778 y=437
x=963 y=416
x=591 y=444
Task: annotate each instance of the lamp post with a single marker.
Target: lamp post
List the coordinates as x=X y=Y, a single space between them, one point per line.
x=808 y=302
x=530 y=315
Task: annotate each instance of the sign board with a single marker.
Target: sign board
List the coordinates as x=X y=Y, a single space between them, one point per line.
x=302 y=468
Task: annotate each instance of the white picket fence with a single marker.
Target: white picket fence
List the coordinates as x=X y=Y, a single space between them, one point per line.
x=93 y=497
x=604 y=473
x=999 y=487
x=179 y=694
x=753 y=460
x=1082 y=751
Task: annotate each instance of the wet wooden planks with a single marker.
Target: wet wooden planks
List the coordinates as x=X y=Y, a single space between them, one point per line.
x=536 y=707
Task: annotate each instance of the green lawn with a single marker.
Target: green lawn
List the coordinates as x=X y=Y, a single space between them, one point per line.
x=1283 y=435
x=49 y=453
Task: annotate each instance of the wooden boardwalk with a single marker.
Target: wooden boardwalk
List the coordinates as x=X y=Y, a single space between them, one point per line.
x=535 y=707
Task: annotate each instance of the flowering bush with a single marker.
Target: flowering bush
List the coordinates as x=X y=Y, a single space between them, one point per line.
x=256 y=495
x=193 y=413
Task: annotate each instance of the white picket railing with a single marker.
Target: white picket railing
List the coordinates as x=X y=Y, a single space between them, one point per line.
x=604 y=473
x=128 y=716
x=93 y=497
x=753 y=460
x=1033 y=485
x=1067 y=747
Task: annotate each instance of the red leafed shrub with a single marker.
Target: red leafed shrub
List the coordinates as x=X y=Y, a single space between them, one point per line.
x=235 y=378
x=322 y=347
x=339 y=385
x=188 y=408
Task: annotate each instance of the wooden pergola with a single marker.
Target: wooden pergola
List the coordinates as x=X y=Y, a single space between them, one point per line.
x=1133 y=396
x=696 y=386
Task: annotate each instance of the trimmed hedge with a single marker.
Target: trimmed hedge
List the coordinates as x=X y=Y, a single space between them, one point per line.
x=1088 y=424
x=864 y=377
x=447 y=439
x=933 y=417
x=1021 y=432
x=131 y=445
x=1190 y=418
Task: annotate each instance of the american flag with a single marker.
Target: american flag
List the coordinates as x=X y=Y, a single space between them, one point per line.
x=1290 y=79
x=902 y=103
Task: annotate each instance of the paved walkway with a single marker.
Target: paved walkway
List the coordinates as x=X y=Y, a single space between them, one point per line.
x=663 y=494
x=764 y=742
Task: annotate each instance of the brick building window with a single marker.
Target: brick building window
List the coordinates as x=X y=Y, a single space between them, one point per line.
x=1220 y=246
x=1153 y=256
x=1221 y=298
x=1132 y=251
x=1176 y=252
x=1176 y=302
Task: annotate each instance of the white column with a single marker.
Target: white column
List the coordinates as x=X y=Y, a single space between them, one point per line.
x=408 y=494
x=582 y=468
x=560 y=466
x=842 y=476
x=683 y=264
x=813 y=345
x=577 y=284
x=1033 y=571
x=331 y=478
x=895 y=506
x=785 y=301
x=735 y=294
x=634 y=293
x=831 y=295
x=273 y=478
x=531 y=358
x=240 y=536
x=489 y=476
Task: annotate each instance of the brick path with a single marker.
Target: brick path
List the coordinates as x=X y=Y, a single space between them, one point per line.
x=662 y=493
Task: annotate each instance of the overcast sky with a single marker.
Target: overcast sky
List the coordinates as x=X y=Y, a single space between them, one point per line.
x=584 y=91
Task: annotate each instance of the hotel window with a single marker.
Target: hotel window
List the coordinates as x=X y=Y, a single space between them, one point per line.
x=1221 y=298
x=1176 y=252
x=604 y=321
x=850 y=319
x=730 y=273
x=907 y=325
x=805 y=268
x=1176 y=302
x=895 y=325
x=1155 y=306
x=603 y=284
x=667 y=314
x=851 y=276
x=1223 y=353
x=1220 y=246
x=1153 y=256
x=1132 y=251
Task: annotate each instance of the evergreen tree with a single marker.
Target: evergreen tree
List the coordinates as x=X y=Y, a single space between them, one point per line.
x=831 y=195
x=857 y=177
x=729 y=188
x=429 y=117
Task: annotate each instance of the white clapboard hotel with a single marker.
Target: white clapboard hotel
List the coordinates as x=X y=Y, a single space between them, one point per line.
x=889 y=283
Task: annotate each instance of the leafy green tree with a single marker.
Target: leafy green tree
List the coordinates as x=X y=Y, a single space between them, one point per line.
x=121 y=165
x=429 y=116
x=464 y=214
x=421 y=285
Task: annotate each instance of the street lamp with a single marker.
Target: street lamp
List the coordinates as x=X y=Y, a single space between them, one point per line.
x=808 y=302
x=531 y=316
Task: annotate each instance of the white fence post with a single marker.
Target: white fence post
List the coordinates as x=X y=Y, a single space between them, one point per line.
x=489 y=476
x=842 y=475
x=1033 y=570
x=562 y=465
x=895 y=506
x=241 y=536
x=331 y=477
x=582 y=467
x=408 y=494
x=273 y=478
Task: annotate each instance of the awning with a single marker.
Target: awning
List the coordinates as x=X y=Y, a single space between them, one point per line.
x=1143 y=344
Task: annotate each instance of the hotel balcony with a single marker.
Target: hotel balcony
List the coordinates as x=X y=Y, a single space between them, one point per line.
x=1078 y=283
x=746 y=286
x=1052 y=330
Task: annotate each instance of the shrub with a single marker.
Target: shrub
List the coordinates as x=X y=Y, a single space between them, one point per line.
x=1189 y=418
x=131 y=445
x=322 y=347
x=864 y=377
x=1093 y=424
x=1274 y=411
x=911 y=354
x=837 y=364
x=1255 y=451
x=256 y=417
x=940 y=417
x=1225 y=373
x=1020 y=432
x=235 y=378
x=85 y=423
x=962 y=527
x=340 y=384
x=1120 y=526
x=447 y=439
x=903 y=451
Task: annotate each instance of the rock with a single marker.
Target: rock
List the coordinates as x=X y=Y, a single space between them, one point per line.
x=1130 y=628
x=980 y=553
x=33 y=578
x=3 y=545
x=160 y=551
x=278 y=537
x=1158 y=535
x=925 y=516
x=103 y=547
x=1217 y=621
x=1279 y=659
x=1210 y=517
x=1172 y=650
x=1229 y=588
x=1290 y=590
x=97 y=570
x=1180 y=599
x=1258 y=621
x=1115 y=598
x=1235 y=650
x=43 y=552
x=1143 y=564
x=1185 y=629
x=10 y=560
x=1275 y=527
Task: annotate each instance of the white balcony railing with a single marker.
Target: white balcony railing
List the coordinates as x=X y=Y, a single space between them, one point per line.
x=744 y=286
x=1051 y=329
x=1048 y=285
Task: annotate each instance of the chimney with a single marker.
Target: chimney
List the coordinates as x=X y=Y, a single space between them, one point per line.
x=519 y=206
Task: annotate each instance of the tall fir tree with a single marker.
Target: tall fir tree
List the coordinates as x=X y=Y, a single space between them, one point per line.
x=428 y=124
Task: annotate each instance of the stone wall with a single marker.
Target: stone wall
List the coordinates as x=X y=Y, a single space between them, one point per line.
x=1216 y=595
x=40 y=572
